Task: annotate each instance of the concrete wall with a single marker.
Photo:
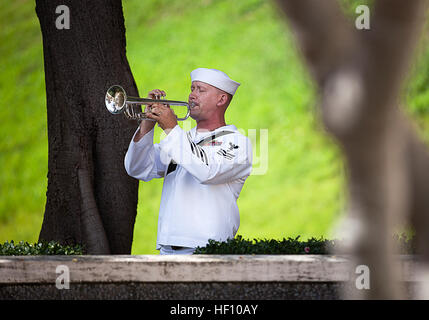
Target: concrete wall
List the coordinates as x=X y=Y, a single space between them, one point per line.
x=181 y=277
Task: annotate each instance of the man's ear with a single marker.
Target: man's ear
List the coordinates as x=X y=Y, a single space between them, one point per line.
x=222 y=100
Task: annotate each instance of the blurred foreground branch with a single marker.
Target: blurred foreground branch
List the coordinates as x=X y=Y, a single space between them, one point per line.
x=360 y=74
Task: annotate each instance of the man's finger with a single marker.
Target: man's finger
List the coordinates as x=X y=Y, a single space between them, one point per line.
x=156 y=108
x=152 y=116
x=156 y=93
x=155 y=111
x=164 y=107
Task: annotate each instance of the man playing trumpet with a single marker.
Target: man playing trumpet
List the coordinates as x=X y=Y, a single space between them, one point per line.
x=204 y=169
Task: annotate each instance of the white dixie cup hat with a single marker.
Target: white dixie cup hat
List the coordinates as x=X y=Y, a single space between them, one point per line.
x=216 y=78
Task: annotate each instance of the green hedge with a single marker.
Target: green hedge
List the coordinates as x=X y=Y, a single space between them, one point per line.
x=238 y=245
x=41 y=248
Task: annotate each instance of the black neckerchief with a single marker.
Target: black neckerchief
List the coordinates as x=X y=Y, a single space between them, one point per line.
x=173 y=165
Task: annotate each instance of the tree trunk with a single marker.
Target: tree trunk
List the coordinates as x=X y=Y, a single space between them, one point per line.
x=90 y=198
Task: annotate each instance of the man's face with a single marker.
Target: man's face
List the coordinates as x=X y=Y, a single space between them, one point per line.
x=205 y=98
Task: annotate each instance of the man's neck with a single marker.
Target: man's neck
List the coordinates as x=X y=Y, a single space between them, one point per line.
x=207 y=125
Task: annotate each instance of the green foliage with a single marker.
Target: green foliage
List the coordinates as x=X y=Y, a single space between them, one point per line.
x=349 y=7
x=417 y=95
x=300 y=194
x=40 y=248
x=239 y=245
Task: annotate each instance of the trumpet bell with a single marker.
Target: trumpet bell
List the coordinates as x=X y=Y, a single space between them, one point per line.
x=116 y=99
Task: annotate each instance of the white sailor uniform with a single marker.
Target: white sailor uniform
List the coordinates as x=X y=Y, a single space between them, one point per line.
x=203 y=176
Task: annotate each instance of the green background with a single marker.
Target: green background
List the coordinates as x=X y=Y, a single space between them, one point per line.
x=301 y=193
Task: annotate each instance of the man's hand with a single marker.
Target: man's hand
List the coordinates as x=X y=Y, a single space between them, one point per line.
x=147 y=125
x=164 y=115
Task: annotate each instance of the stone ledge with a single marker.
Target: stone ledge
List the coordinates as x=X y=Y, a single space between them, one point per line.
x=184 y=268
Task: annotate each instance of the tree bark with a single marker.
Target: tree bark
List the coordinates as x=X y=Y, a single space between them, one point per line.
x=90 y=198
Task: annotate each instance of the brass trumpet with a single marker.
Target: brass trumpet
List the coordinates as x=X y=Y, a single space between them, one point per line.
x=117 y=102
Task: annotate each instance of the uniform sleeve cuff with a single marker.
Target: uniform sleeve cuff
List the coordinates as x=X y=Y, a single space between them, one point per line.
x=171 y=140
x=147 y=138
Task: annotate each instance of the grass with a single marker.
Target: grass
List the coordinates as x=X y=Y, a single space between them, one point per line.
x=301 y=192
